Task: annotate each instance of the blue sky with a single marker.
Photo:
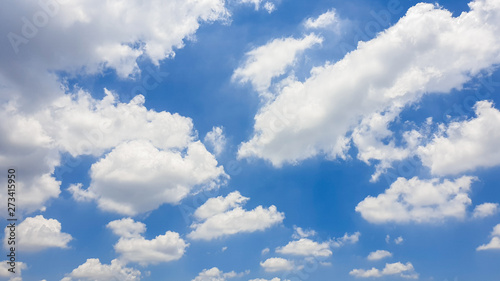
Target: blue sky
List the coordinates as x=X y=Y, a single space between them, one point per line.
x=252 y=140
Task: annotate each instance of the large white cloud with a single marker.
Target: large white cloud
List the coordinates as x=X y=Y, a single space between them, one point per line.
x=466 y=145
x=94 y=270
x=416 y=200
x=133 y=247
x=88 y=36
x=306 y=247
x=224 y=216
x=38 y=233
x=384 y=74
x=177 y=164
x=494 y=244
x=403 y=270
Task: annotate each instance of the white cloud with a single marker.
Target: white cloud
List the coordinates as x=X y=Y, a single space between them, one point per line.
x=378 y=255
x=133 y=247
x=81 y=125
x=216 y=139
x=225 y=216
x=277 y=264
x=219 y=205
x=268 y=6
x=265 y=251
x=324 y=20
x=485 y=210
x=93 y=270
x=261 y=279
x=385 y=74
x=301 y=233
x=38 y=233
x=418 y=201
x=494 y=244
x=116 y=177
x=467 y=145
x=266 y=62
x=398 y=240
x=215 y=274
x=346 y=239
x=89 y=36
x=4 y=270
x=403 y=270
x=306 y=247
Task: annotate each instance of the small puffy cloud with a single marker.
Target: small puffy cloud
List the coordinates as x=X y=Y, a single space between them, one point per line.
x=346 y=239
x=265 y=251
x=485 y=210
x=133 y=247
x=215 y=274
x=219 y=205
x=4 y=270
x=302 y=233
x=306 y=247
x=494 y=244
x=216 y=140
x=277 y=264
x=398 y=240
x=418 y=201
x=93 y=270
x=466 y=145
x=398 y=268
x=325 y=20
x=264 y=63
x=127 y=228
x=38 y=233
x=378 y=255
x=224 y=216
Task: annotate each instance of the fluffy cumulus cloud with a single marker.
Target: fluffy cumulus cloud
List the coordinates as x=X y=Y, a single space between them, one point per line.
x=494 y=244
x=176 y=164
x=4 y=270
x=378 y=255
x=398 y=268
x=299 y=232
x=38 y=233
x=44 y=36
x=215 y=274
x=306 y=247
x=133 y=247
x=94 y=270
x=467 y=145
x=266 y=62
x=406 y=61
x=327 y=19
x=277 y=264
x=419 y=201
x=155 y=151
x=485 y=210
x=216 y=139
x=223 y=216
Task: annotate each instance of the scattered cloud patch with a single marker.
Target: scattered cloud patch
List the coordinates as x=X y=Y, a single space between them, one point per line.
x=485 y=210
x=378 y=255
x=494 y=244
x=403 y=270
x=94 y=270
x=325 y=20
x=225 y=216
x=418 y=201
